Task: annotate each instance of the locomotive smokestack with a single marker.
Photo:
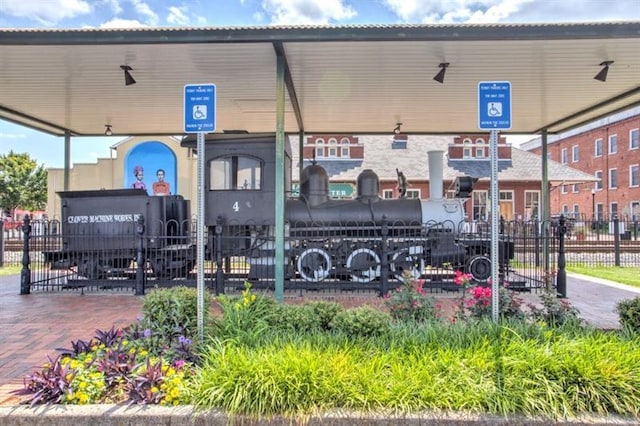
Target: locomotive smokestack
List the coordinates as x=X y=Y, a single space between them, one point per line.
x=436 y=173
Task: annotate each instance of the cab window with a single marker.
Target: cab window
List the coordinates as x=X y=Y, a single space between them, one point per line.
x=235 y=173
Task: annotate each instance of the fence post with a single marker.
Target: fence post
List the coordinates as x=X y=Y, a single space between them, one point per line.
x=384 y=258
x=25 y=274
x=140 y=258
x=616 y=240
x=561 y=278
x=218 y=254
x=1 y=243
x=536 y=241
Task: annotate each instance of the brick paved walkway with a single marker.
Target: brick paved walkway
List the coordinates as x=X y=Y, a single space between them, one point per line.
x=33 y=326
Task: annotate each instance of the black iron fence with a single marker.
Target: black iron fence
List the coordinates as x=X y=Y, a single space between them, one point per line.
x=362 y=257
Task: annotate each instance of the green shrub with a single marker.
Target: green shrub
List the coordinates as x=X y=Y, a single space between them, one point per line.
x=294 y=318
x=174 y=310
x=245 y=318
x=409 y=302
x=363 y=321
x=476 y=304
x=629 y=311
x=168 y=315
x=325 y=311
x=554 y=311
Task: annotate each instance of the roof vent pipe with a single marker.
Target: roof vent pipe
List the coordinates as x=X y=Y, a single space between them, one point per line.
x=436 y=160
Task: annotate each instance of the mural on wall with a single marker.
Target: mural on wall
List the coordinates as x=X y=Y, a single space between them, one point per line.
x=151 y=166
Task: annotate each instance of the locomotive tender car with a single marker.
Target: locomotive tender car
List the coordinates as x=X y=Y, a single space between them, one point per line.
x=358 y=240
x=101 y=231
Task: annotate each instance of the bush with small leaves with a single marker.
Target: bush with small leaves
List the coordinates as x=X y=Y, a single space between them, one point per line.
x=554 y=312
x=629 y=311
x=363 y=321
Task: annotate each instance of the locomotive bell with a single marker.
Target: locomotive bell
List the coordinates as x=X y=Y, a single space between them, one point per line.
x=314 y=185
x=368 y=185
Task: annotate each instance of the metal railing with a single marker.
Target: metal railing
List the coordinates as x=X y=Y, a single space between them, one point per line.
x=356 y=257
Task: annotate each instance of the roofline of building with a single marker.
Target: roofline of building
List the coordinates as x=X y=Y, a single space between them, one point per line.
x=596 y=124
x=316 y=33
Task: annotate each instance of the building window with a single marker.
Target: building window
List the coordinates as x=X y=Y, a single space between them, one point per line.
x=531 y=203
x=319 y=152
x=575 y=188
x=598 y=185
x=479 y=205
x=598 y=148
x=563 y=189
x=479 y=152
x=613 y=178
x=576 y=211
x=599 y=211
x=634 y=178
x=565 y=210
x=575 y=154
x=413 y=193
x=387 y=194
x=333 y=149
x=613 y=144
x=613 y=209
x=564 y=156
x=466 y=148
x=635 y=210
x=344 y=143
x=235 y=172
x=634 y=135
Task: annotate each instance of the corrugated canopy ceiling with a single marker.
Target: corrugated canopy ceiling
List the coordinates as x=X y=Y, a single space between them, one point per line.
x=350 y=79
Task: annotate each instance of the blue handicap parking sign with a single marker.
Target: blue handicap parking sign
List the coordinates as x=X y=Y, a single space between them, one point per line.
x=494 y=105
x=199 y=108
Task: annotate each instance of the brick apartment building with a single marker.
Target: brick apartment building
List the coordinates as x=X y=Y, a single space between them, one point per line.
x=607 y=149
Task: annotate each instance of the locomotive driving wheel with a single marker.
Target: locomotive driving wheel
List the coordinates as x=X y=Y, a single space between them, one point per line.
x=364 y=265
x=314 y=264
x=409 y=260
x=479 y=267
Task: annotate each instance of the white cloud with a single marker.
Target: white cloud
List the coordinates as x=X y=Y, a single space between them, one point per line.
x=177 y=16
x=492 y=11
x=145 y=10
x=123 y=23
x=114 y=5
x=46 y=12
x=288 y=12
x=12 y=136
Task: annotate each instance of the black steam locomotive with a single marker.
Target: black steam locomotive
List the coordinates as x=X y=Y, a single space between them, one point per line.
x=359 y=240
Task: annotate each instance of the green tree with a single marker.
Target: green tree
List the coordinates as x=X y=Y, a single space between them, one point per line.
x=23 y=183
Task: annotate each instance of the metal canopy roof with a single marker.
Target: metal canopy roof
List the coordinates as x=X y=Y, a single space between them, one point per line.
x=348 y=79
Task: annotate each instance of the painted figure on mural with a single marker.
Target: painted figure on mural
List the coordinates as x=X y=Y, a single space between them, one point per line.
x=161 y=187
x=138 y=172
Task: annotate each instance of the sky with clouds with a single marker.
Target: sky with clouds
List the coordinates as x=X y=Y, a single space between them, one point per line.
x=195 y=13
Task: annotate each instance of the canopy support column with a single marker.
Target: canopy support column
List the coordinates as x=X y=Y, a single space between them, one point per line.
x=67 y=158
x=279 y=183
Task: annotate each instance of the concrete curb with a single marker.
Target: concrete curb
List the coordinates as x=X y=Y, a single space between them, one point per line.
x=122 y=415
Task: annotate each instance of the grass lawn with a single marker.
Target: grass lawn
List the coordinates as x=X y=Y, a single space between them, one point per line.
x=629 y=276
x=10 y=270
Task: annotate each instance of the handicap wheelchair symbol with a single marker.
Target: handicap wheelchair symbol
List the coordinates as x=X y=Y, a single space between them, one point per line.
x=494 y=109
x=199 y=112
